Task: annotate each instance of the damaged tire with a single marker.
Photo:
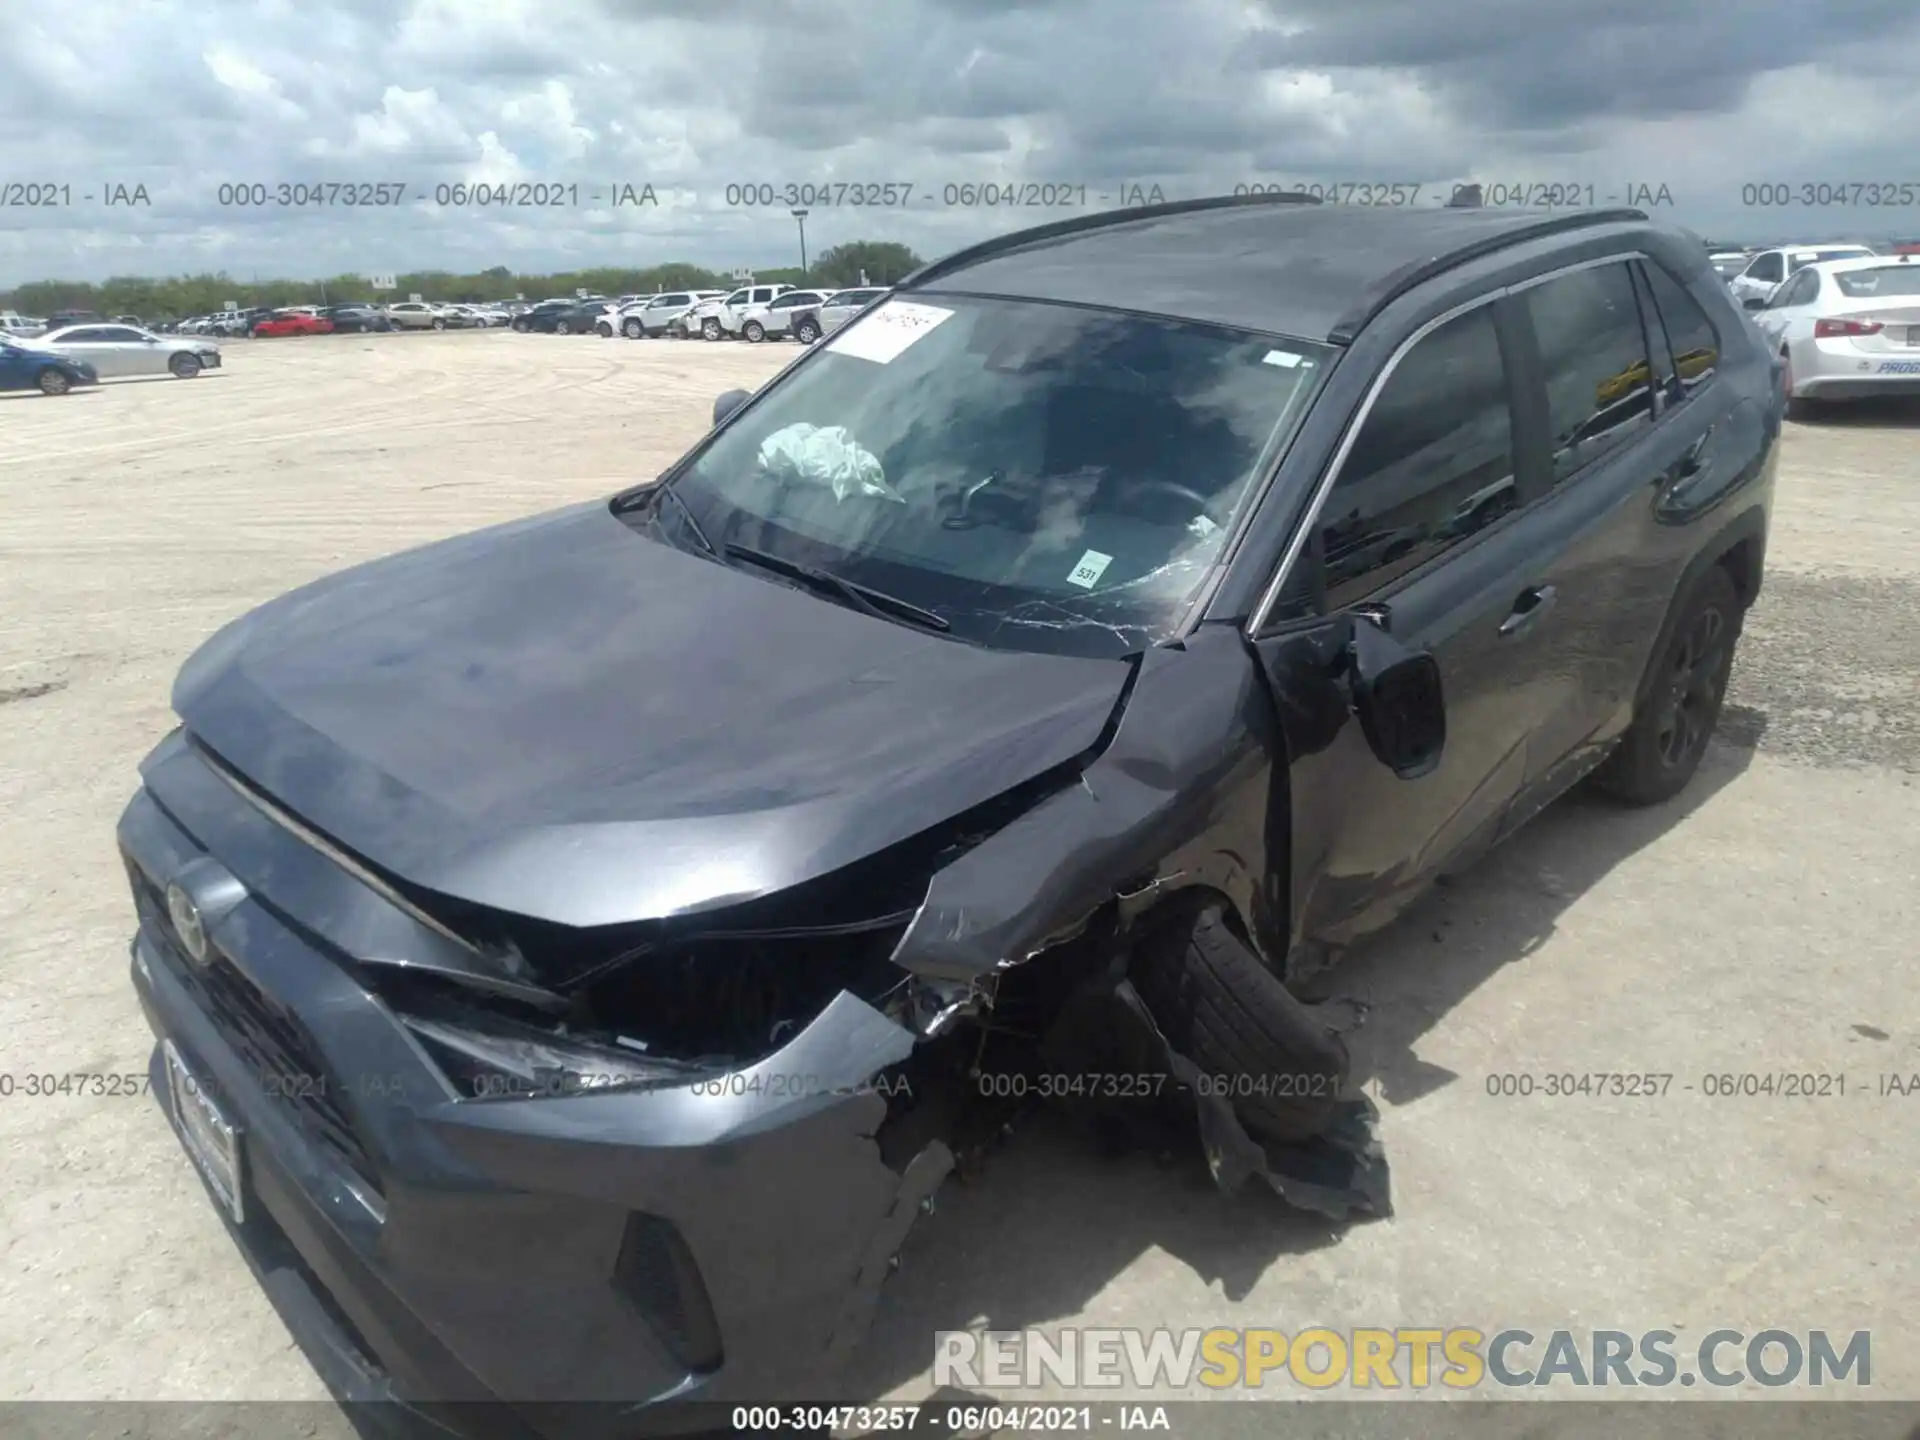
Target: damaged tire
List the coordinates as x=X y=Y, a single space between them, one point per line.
x=1259 y=1046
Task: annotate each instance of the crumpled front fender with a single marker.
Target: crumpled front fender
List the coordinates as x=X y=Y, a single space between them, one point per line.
x=1180 y=797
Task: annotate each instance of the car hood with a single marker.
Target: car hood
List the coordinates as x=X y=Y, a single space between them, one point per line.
x=565 y=718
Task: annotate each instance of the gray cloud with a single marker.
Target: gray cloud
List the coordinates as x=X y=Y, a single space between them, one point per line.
x=183 y=96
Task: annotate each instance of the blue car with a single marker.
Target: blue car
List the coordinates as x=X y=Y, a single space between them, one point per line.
x=22 y=368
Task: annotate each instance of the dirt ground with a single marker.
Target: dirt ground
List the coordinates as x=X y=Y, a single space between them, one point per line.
x=1764 y=922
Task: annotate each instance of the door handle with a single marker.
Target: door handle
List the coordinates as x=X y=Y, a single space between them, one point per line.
x=1533 y=602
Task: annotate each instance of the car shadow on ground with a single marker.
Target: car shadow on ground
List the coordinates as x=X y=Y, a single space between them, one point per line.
x=1883 y=412
x=1051 y=1221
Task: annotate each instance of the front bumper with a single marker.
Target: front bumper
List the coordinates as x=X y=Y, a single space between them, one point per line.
x=637 y=1257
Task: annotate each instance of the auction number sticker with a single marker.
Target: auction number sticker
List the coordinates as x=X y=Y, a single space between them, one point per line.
x=1088 y=572
x=888 y=331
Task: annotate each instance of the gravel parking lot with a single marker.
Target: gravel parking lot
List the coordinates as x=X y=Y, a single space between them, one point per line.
x=1765 y=922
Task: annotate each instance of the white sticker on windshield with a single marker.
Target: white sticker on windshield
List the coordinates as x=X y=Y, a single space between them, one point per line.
x=1091 y=567
x=883 y=335
x=1280 y=357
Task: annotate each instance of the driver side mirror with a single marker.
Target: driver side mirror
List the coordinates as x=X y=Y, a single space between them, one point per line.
x=731 y=401
x=1396 y=696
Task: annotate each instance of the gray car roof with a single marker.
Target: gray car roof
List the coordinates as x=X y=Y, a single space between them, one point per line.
x=1313 y=271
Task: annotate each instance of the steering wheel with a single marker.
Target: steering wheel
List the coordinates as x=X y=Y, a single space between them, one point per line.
x=1196 y=502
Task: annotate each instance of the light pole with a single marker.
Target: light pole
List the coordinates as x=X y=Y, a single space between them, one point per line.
x=801 y=216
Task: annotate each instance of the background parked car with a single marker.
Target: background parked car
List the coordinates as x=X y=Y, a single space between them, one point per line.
x=61 y=319
x=290 y=322
x=774 y=320
x=354 y=319
x=29 y=367
x=15 y=326
x=1846 y=330
x=663 y=314
x=719 y=318
x=415 y=315
x=1769 y=269
x=118 y=351
x=575 y=317
x=838 y=308
x=462 y=317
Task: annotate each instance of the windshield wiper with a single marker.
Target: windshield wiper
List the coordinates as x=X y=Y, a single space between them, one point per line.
x=654 y=493
x=861 y=597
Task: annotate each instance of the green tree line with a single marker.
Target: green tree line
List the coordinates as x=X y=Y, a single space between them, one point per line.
x=173 y=297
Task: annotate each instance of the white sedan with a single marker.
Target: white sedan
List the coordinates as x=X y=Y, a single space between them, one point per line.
x=1847 y=329
x=116 y=351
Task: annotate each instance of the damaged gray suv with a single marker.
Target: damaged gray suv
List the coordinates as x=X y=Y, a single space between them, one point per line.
x=574 y=947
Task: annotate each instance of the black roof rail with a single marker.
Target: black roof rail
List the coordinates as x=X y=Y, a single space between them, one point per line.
x=1100 y=219
x=1392 y=286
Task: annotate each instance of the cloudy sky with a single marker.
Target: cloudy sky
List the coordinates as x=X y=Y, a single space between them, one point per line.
x=1697 y=103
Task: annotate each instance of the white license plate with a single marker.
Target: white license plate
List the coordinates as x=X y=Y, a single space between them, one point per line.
x=211 y=1139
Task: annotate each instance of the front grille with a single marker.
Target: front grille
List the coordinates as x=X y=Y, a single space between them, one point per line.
x=273 y=1045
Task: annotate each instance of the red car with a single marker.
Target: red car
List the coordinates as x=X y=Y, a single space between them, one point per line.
x=292 y=322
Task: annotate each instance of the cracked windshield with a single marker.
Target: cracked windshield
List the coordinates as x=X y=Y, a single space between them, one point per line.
x=1037 y=476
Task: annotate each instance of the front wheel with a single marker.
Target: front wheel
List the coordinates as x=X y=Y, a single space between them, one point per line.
x=1681 y=701
x=185 y=366
x=633 y=330
x=520 y=327
x=54 y=382
x=1255 y=1044
x=806 y=332
x=709 y=329
x=603 y=330
x=438 y=323
x=560 y=327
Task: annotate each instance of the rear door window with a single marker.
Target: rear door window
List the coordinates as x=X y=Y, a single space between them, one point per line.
x=1694 y=343
x=1593 y=355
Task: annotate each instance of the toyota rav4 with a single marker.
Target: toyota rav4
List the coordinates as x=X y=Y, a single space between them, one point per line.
x=559 y=939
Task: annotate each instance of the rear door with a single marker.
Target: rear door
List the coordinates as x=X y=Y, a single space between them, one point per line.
x=1793 y=301
x=1593 y=375
x=1428 y=526
x=91 y=345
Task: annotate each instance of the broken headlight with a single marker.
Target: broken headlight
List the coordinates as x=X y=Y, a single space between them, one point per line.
x=491 y=1058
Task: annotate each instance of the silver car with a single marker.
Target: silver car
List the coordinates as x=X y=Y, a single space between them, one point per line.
x=416 y=315
x=118 y=351
x=1847 y=329
x=835 y=311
